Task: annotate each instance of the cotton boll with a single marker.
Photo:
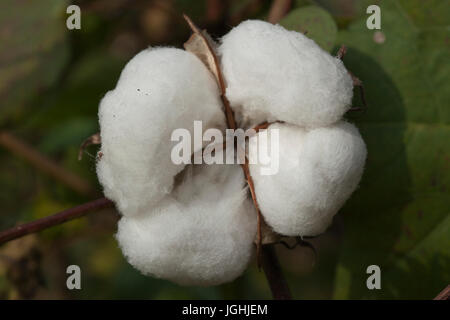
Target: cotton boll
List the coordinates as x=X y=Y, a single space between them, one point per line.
x=202 y=234
x=318 y=171
x=159 y=90
x=275 y=74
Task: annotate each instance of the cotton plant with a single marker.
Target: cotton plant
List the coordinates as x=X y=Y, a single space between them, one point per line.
x=197 y=224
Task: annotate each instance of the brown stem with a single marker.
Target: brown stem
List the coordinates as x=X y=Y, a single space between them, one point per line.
x=278 y=10
x=41 y=162
x=444 y=294
x=356 y=81
x=341 y=52
x=229 y=114
x=264 y=125
x=251 y=186
x=231 y=124
x=270 y=264
x=274 y=275
x=53 y=220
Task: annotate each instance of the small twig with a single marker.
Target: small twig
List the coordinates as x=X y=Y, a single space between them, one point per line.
x=271 y=267
x=278 y=10
x=356 y=81
x=444 y=294
x=341 y=52
x=362 y=93
x=264 y=125
x=53 y=220
x=41 y=162
x=94 y=139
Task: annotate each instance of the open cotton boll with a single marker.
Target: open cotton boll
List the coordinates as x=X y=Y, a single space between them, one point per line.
x=318 y=171
x=275 y=74
x=159 y=90
x=202 y=234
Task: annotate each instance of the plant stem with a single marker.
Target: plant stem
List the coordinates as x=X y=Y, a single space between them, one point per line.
x=444 y=294
x=274 y=275
x=44 y=164
x=269 y=262
x=53 y=220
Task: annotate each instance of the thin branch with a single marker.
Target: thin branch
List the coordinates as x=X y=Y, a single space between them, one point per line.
x=278 y=10
x=272 y=269
x=265 y=125
x=44 y=164
x=53 y=220
x=444 y=294
x=356 y=81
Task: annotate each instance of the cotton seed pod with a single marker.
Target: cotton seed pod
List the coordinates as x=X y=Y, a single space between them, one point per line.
x=202 y=234
x=318 y=171
x=158 y=91
x=275 y=74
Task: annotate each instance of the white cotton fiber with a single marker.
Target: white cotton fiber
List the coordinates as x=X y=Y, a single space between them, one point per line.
x=318 y=171
x=159 y=90
x=275 y=74
x=202 y=234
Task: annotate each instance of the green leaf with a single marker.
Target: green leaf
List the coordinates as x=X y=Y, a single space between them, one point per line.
x=316 y=22
x=399 y=218
x=33 y=50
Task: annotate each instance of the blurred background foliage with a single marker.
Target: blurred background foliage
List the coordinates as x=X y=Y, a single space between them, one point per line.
x=51 y=80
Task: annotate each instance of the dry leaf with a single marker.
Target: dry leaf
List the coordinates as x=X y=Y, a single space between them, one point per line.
x=203 y=46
